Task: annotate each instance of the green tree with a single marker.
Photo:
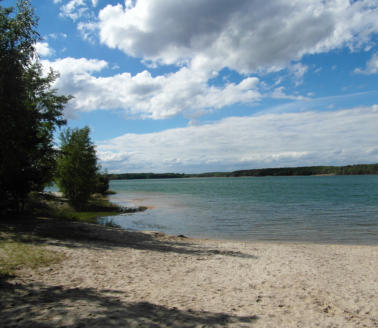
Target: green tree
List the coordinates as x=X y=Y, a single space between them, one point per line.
x=77 y=170
x=102 y=182
x=30 y=109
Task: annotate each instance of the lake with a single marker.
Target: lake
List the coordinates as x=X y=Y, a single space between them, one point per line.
x=322 y=209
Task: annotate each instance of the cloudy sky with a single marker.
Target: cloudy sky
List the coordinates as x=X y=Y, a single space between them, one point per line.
x=215 y=85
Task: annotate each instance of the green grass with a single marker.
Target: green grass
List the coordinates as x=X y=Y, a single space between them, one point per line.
x=20 y=250
x=51 y=206
x=15 y=255
x=89 y=217
x=57 y=207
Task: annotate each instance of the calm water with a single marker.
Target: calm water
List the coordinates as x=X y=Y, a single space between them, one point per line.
x=331 y=209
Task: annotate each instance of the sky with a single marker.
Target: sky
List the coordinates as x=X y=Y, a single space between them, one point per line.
x=217 y=85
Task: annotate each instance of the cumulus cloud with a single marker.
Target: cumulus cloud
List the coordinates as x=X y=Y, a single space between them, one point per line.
x=73 y=9
x=371 y=66
x=88 y=31
x=77 y=9
x=43 y=49
x=201 y=38
x=246 y=36
x=142 y=95
x=270 y=140
x=75 y=66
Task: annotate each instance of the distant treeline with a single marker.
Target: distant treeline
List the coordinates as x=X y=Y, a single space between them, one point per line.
x=311 y=170
x=283 y=171
x=128 y=176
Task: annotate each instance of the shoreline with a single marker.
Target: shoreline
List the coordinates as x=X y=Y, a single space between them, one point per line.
x=135 y=203
x=240 y=240
x=329 y=214
x=113 y=277
x=263 y=241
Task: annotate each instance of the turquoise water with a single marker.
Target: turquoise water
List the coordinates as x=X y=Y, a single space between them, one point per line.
x=325 y=209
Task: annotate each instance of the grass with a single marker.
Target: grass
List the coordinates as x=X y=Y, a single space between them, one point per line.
x=23 y=251
x=72 y=215
x=58 y=207
x=15 y=255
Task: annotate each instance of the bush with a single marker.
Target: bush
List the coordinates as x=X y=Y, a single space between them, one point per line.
x=77 y=172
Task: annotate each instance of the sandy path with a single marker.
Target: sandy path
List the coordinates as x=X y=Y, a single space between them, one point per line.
x=115 y=278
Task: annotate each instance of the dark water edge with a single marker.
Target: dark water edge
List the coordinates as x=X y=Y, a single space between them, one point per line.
x=327 y=209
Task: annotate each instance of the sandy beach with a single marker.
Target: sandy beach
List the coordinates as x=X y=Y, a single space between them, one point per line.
x=115 y=278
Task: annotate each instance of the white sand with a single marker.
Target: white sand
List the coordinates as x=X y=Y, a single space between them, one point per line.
x=127 y=279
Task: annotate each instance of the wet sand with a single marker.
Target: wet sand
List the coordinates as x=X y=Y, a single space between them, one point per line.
x=116 y=278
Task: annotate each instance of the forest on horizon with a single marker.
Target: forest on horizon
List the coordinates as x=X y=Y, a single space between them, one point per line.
x=358 y=169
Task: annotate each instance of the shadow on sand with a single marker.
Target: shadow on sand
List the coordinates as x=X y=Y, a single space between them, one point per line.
x=39 y=306
x=77 y=234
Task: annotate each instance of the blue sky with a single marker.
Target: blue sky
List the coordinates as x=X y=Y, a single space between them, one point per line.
x=195 y=86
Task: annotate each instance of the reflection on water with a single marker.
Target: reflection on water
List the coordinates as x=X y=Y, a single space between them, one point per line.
x=315 y=209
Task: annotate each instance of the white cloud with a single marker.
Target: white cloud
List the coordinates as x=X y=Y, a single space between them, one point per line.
x=43 y=49
x=142 y=95
x=88 y=31
x=298 y=71
x=270 y=140
x=57 y=35
x=82 y=12
x=75 y=66
x=202 y=38
x=371 y=66
x=246 y=36
x=74 y=9
x=279 y=93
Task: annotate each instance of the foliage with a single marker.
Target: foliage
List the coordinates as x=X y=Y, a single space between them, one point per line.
x=77 y=170
x=30 y=108
x=311 y=170
x=49 y=205
x=102 y=183
x=283 y=171
x=127 y=176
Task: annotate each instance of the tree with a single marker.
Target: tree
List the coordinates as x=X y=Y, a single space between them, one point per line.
x=102 y=182
x=30 y=112
x=77 y=170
